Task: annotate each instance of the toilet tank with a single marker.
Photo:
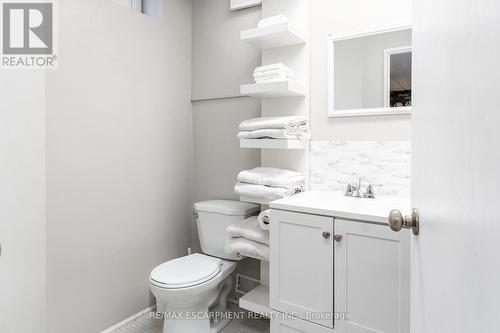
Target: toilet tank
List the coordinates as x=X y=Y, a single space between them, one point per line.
x=212 y=219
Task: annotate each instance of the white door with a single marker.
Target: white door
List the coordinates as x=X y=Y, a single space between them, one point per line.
x=22 y=202
x=372 y=278
x=301 y=265
x=456 y=165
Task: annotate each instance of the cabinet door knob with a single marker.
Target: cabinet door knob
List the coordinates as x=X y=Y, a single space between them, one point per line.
x=337 y=237
x=326 y=235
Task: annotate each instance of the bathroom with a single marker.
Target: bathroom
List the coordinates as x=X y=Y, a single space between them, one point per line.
x=138 y=193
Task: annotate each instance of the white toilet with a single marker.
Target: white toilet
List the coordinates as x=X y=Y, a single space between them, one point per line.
x=191 y=291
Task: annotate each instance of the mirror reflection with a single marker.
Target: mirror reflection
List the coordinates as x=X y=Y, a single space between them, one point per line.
x=398 y=77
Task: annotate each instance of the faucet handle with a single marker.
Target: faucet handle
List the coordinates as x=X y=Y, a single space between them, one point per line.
x=369 y=193
x=348 y=190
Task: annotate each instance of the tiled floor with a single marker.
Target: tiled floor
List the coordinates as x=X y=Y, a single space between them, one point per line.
x=145 y=324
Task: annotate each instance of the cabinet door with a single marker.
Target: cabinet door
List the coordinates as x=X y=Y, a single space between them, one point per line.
x=372 y=278
x=289 y=325
x=301 y=266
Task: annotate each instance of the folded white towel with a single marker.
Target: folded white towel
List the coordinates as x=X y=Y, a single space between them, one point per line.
x=274 y=74
x=249 y=229
x=271 y=68
x=268 y=193
x=273 y=177
x=278 y=79
x=272 y=20
x=291 y=123
x=264 y=220
x=273 y=133
x=272 y=77
x=247 y=248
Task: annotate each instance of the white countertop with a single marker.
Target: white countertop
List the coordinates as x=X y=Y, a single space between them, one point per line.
x=337 y=205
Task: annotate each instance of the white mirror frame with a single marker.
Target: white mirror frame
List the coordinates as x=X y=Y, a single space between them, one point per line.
x=384 y=111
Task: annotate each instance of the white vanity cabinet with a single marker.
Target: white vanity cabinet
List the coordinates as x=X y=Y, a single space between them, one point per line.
x=301 y=265
x=372 y=278
x=289 y=325
x=327 y=264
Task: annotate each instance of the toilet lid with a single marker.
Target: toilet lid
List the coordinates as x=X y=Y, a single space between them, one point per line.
x=186 y=271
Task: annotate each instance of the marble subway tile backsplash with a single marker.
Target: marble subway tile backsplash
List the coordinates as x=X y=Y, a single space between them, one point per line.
x=386 y=165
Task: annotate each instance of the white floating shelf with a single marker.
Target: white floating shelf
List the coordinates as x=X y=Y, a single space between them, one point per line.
x=286 y=88
x=272 y=36
x=273 y=144
x=257 y=301
x=254 y=200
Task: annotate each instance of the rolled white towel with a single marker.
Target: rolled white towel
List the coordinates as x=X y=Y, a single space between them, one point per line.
x=263 y=219
x=268 y=193
x=246 y=248
x=274 y=177
x=290 y=123
x=250 y=229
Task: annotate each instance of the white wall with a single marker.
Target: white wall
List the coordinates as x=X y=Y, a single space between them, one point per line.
x=221 y=61
x=22 y=202
x=217 y=154
x=340 y=17
x=119 y=159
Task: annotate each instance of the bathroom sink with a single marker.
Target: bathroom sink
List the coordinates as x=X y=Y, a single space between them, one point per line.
x=338 y=205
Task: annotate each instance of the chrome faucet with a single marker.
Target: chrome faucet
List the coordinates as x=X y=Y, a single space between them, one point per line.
x=355 y=191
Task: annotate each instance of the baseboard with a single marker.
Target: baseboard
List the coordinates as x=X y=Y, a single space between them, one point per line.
x=129 y=319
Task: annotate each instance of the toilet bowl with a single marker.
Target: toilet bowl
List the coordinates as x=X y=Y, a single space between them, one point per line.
x=191 y=291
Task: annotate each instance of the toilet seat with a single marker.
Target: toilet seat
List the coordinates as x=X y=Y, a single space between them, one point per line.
x=186 y=272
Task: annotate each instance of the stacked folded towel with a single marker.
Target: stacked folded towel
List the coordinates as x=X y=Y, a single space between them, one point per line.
x=272 y=20
x=293 y=127
x=269 y=183
x=265 y=192
x=249 y=229
x=248 y=239
x=272 y=73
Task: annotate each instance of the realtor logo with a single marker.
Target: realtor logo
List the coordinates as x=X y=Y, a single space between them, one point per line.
x=28 y=34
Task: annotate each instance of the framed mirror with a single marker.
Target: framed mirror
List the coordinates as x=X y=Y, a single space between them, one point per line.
x=370 y=74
